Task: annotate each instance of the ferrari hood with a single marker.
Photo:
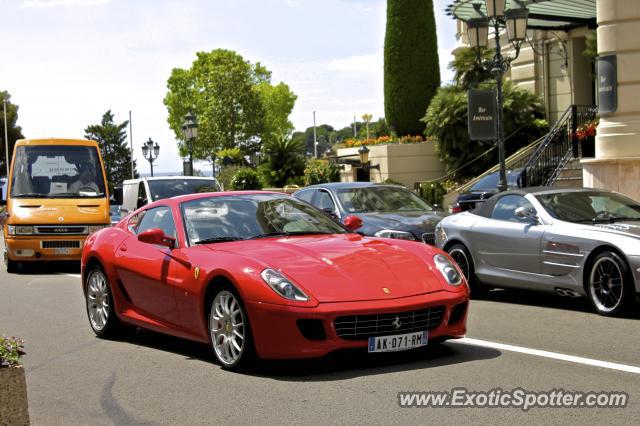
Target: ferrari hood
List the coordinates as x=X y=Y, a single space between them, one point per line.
x=342 y=268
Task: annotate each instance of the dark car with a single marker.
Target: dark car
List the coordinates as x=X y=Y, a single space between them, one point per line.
x=484 y=189
x=389 y=211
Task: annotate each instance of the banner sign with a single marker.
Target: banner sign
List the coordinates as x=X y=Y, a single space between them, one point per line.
x=482 y=115
x=607 y=84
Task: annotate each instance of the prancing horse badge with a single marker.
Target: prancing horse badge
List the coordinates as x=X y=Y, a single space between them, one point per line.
x=196 y=272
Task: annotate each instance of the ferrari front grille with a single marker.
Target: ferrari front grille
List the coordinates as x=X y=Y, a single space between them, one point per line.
x=361 y=327
x=60 y=244
x=429 y=238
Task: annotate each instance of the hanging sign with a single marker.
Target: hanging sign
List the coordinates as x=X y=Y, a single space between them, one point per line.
x=607 y=84
x=482 y=115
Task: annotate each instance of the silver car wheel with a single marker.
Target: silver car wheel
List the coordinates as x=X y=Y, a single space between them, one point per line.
x=98 y=300
x=606 y=284
x=461 y=259
x=226 y=326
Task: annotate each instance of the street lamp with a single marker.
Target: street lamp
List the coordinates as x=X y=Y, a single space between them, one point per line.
x=150 y=151
x=190 y=132
x=363 y=153
x=515 y=22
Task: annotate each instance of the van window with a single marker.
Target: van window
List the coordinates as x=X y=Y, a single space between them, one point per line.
x=60 y=171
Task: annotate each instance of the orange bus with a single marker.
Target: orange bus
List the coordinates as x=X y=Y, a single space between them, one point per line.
x=56 y=196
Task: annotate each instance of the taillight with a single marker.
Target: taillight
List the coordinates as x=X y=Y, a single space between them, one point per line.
x=456 y=209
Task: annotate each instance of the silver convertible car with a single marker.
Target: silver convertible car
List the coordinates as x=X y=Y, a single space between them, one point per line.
x=575 y=242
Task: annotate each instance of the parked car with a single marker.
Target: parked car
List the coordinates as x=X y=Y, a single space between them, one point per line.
x=575 y=242
x=390 y=211
x=484 y=189
x=261 y=273
x=139 y=192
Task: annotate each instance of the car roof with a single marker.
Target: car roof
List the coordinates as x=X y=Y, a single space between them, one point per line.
x=190 y=197
x=342 y=185
x=486 y=209
x=169 y=178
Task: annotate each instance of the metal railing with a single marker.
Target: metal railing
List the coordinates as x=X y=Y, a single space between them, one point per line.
x=558 y=147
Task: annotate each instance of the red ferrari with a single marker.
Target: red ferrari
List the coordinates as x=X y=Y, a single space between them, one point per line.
x=262 y=275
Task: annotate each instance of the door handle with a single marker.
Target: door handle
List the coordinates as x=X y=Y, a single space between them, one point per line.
x=123 y=247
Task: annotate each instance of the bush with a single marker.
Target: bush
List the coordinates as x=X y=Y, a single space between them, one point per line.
x=11 y=350
x=225 y=175
x=318 y=171
x=245 y=179
x=434 y=192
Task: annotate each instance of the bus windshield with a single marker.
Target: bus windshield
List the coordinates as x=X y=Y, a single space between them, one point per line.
x=62 y=171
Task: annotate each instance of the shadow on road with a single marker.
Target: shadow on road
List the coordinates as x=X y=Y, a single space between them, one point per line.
x=545 y=300
x=336 y=366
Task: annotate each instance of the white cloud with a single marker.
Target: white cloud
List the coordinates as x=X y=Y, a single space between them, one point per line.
x=292 y=2
x=64 y=3
x=357 y=63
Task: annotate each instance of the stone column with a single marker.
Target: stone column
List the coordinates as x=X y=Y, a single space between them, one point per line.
x=617 y=162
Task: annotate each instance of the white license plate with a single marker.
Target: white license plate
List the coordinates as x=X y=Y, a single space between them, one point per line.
x=62 y=251
x=398 y=342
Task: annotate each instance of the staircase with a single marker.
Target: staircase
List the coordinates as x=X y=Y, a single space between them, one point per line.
x=556 y=161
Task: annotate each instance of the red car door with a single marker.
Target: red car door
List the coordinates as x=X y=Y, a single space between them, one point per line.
x=147 y=271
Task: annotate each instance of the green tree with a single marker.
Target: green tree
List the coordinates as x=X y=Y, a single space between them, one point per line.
x=411 y=66
x=14 y=132
x=220 y=88
x=285 y=161
x=116 y=155
x=277 y=102
x=326 y=136
x=467 y=72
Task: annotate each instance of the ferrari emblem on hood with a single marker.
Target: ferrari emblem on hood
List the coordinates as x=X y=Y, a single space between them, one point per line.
x=386 y=290
x=196 y=272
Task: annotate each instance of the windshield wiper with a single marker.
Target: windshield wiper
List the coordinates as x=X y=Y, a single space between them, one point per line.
x=289 y=234
x=218 y=240
x=31 y=195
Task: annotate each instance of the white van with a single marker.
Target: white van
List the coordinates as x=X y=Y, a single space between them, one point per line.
x=139 y=192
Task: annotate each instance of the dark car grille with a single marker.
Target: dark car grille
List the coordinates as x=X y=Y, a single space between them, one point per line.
x=361 y=327
x=61 y=230
x=429 y=238
x=60 y=244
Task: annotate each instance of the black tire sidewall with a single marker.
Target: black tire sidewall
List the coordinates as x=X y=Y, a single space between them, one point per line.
x=477 y=289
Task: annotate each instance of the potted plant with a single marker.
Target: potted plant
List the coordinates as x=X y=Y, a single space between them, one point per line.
x=586 y=136
x=14 y=409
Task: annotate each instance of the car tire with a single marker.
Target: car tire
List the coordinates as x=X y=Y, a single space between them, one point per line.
x=609 y=284
x=462 y=257
x=99 y=303
x=230 y=331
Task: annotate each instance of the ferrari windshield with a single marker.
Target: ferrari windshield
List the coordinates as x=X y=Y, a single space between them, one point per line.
x=57 y=171
x=167 y=188
x=369 y=199
x=585 y=207
x=241 y=217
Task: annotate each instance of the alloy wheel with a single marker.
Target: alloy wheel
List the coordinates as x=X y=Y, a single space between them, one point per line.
x=461 y=259
x=98 y=300
x=606 y=284
x=227 y=328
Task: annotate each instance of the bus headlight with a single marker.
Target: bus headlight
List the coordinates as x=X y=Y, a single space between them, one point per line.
x=19 y=230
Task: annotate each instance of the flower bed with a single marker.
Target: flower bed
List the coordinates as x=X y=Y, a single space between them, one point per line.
x=350 y=143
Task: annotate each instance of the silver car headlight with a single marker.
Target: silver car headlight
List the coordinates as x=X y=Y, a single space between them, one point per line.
x=283 y=286
x=390 y=233
x=448 y=270
x=19 y=230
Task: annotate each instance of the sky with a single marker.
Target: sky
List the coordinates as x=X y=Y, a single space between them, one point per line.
x=66 y=62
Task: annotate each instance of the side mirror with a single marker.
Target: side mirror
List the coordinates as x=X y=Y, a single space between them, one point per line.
x=352 y=222
x=526 y=213
x=156 y=236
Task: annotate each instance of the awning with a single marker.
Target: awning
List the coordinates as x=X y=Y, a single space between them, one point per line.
x=543 y=14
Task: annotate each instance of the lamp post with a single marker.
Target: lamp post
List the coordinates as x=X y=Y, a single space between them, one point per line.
x=515 y=22
x=190 y=132
x=150 y=151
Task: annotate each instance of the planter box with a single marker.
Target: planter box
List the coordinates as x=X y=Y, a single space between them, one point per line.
x=14 y=408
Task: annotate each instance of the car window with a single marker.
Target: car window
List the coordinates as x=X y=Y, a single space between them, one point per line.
x=381 y=198
x=158 y=217
x=306 y=195
x=506 y=206
x=323 y=201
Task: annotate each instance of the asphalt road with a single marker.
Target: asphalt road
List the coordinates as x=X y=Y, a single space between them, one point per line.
x=76 y=378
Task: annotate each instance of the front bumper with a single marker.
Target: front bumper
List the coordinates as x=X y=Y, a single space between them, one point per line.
x=276 y=333
x=39 y=247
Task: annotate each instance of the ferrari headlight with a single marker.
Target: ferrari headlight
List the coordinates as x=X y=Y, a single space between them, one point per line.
x=282 y=285
x=390 y=233
x=447 y=269
x=19 y=230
